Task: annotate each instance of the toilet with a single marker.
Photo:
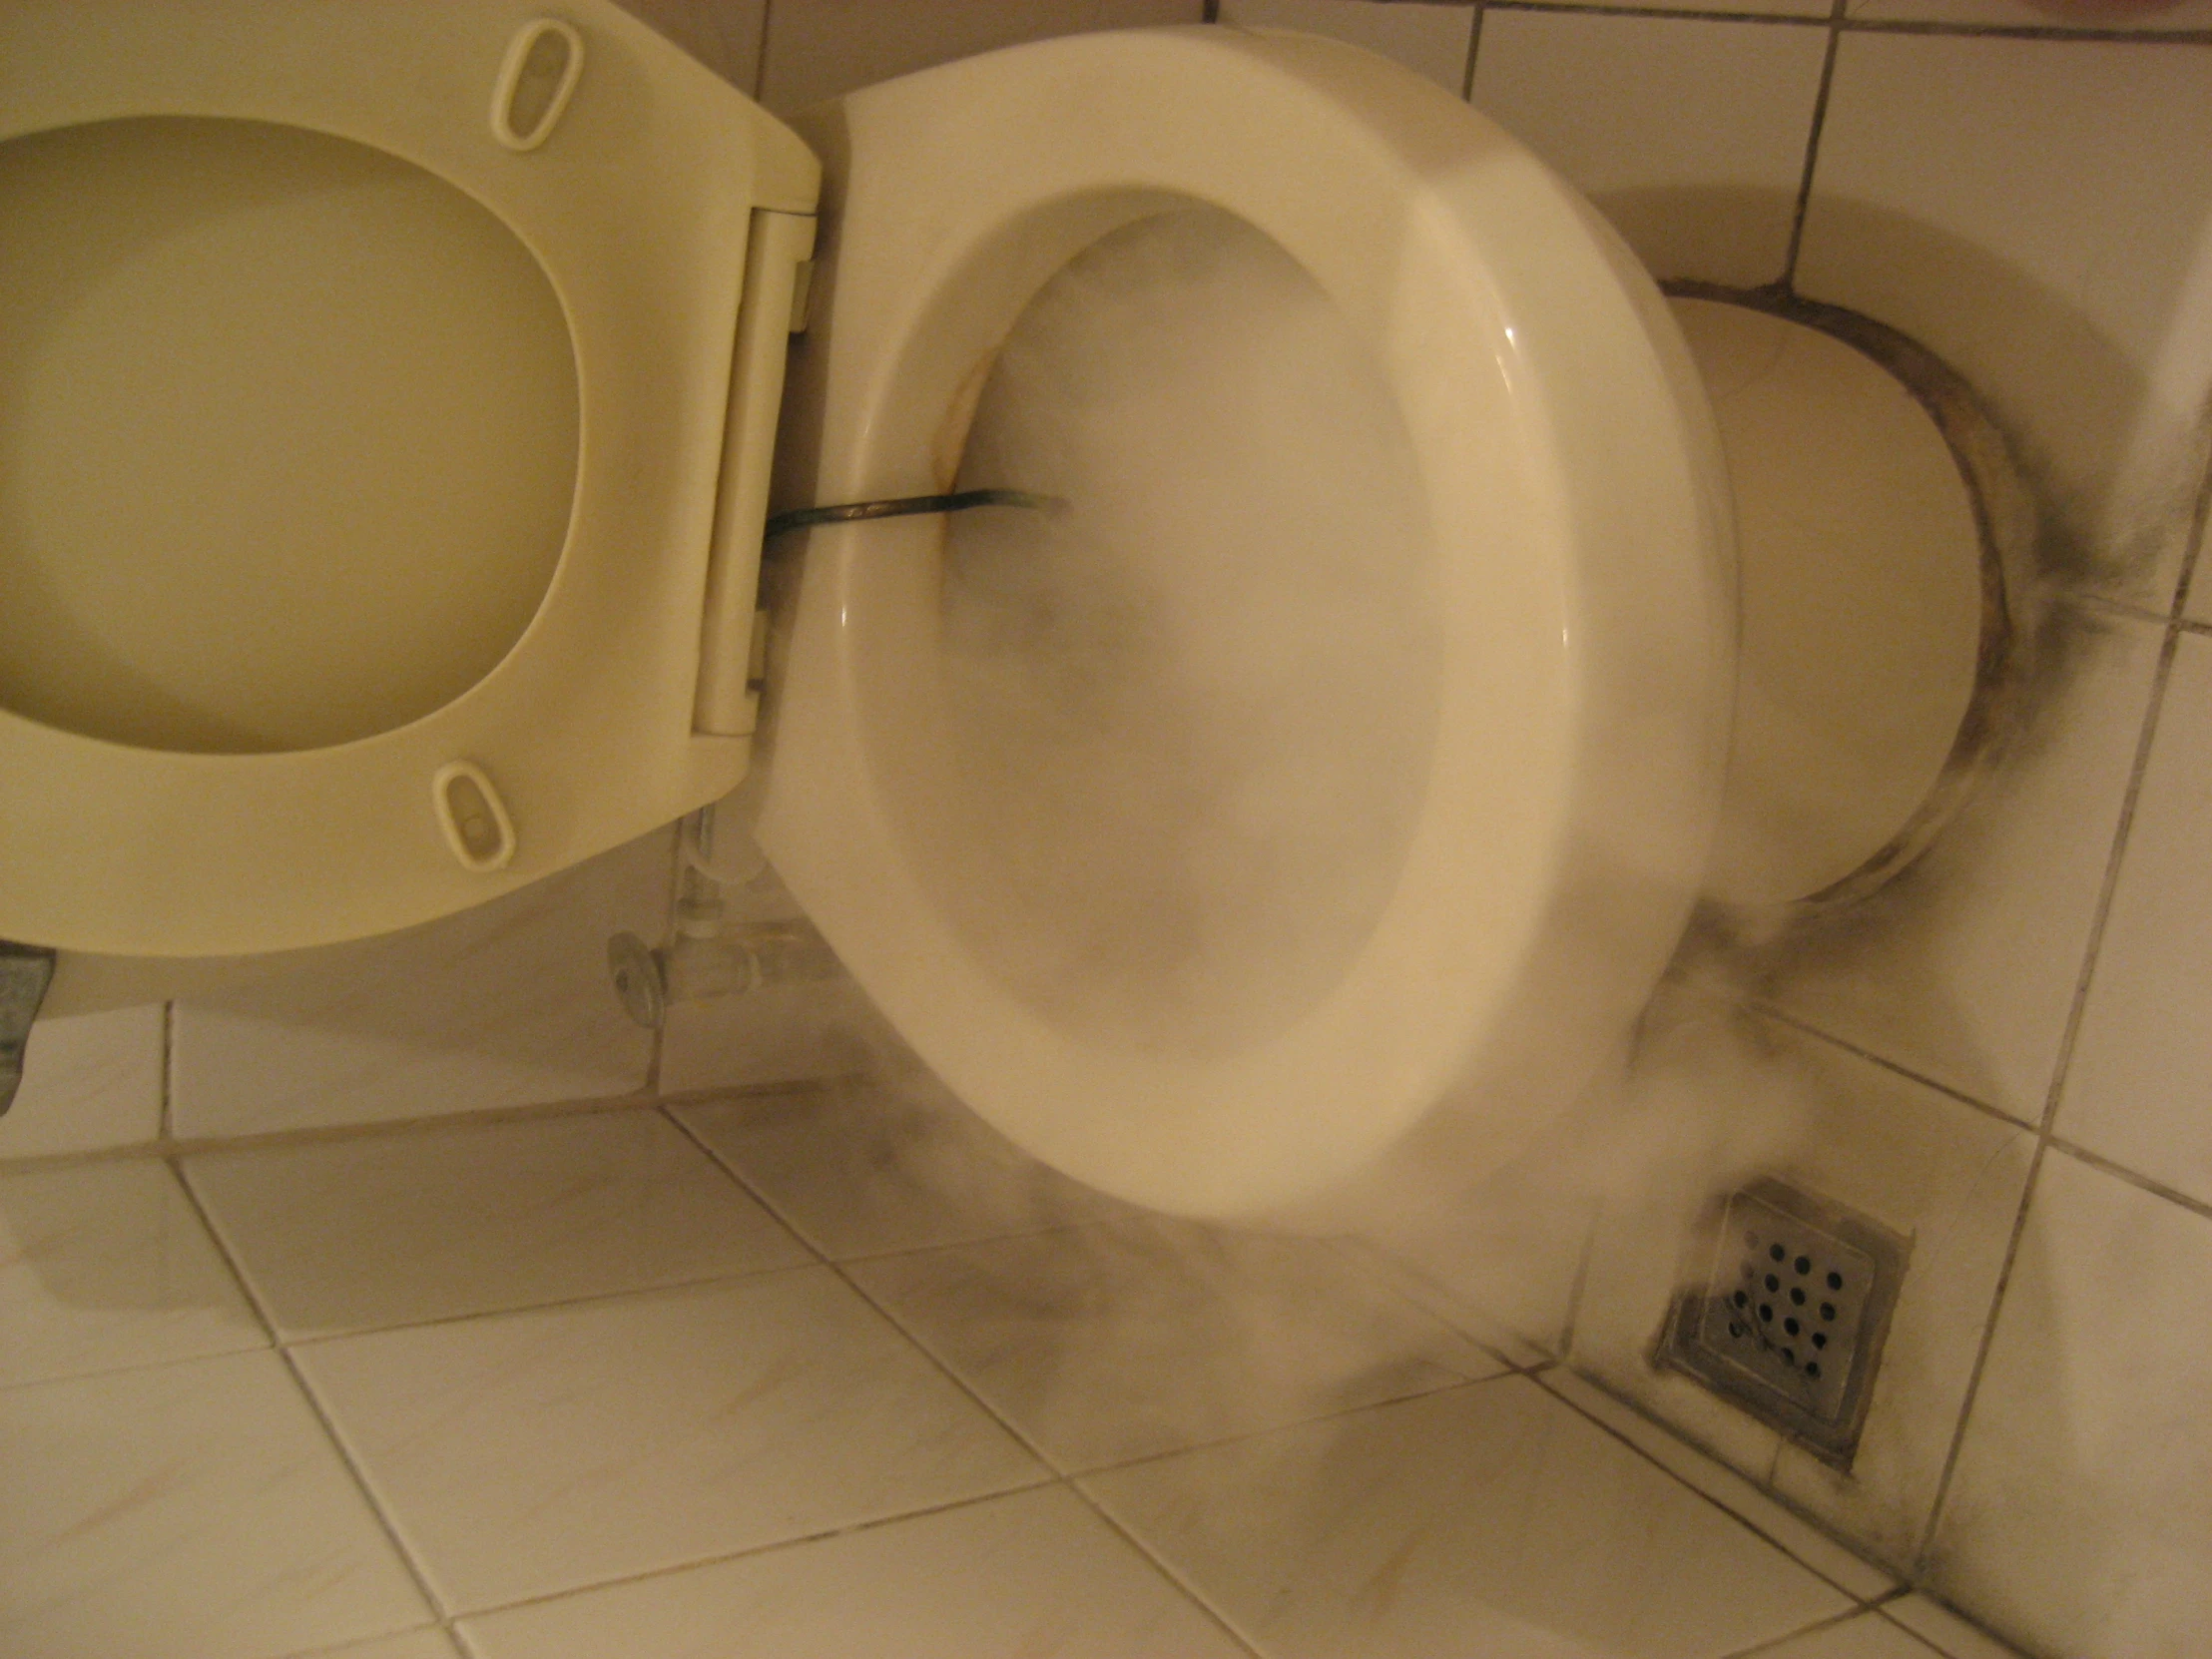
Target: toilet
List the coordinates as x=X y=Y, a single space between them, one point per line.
x=391 y=406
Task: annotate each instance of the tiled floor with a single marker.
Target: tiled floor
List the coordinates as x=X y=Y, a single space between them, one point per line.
x=818 y=1375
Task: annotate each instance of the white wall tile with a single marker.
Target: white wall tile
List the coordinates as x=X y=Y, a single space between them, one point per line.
x=863 y=1168
x=2036 y=213
x=1490 y=1518
x=89 y=1081
x=194 y=1510
x=1107 y=1344
x=2038 y=14
x=1429 y=39
x=725 y=35
x=399 y=1229
x=508 y=1004
x=1964 y=969
x=2079 y=1517
x=796 y=1033
x=106 y=1266
x=819 y=49
x=2139 y=1086
x=1033 y=1575
x=1689 y=134
x=524 y=1454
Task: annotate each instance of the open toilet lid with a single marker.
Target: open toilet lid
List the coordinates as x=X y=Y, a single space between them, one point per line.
x=626 y=208
x=1580 y=566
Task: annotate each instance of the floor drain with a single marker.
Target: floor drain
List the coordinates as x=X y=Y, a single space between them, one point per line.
x=1785 y=1310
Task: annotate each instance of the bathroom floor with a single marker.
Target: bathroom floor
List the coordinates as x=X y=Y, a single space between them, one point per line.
x=825 y=1372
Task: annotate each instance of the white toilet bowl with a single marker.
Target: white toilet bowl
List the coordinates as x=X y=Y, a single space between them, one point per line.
x=1577 y=559
x=1553 y=545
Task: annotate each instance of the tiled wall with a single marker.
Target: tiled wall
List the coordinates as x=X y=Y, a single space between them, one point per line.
x=2006 y=1055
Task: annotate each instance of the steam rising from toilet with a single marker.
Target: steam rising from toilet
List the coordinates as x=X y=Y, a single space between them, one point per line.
x=1189 y=717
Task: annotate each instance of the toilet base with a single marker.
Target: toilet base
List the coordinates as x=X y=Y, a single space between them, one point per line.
x=1880 y=529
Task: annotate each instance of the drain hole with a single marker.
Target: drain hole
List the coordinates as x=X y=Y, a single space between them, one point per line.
x=1775 y=1251
x=1790 y=1325
x=1811 y=1367
x=1828 y=1310
x=1804 y=1264
x=1740 y=1298
x=1773 y=1284
x=1834 y=1281
x=1789 y=1356
x=1796 y=1297
x=1765 y=1312
x=1820 y=1338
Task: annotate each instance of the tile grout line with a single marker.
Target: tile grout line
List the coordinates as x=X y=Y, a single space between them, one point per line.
x=2120 y=1172
x=339 y=1133
x=1786 y=282
x=1872 y=26
x=750 y=1551
x=165 y=1120
x=1060 y=1476
x=2055 y=1093
x=1744 y=1522
x=1772 y=1643
x=1782 y=1016
x=759 y=56
x=385 y=1524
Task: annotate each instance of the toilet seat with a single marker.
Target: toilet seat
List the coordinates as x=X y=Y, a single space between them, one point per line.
x=1582 y=553
x=637 y=192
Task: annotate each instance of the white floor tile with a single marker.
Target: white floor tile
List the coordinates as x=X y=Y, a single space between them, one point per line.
x=1034 y=1575
x=1943 y=1630
x=1107 y=1344
x=414 y=1644
x=507 y=1005
x=1801 y=1541
x=820 y=49
x=1429 y=39
x=1861 y=1636
x=89 y=1081
x=1964 y=968
x=528 y=1454
x=2139 y=1086
x=106 y=1266
x=863 y=1169
x=2036 y=14
x=401 y=1228
x=1688 y=133
x=1974 y=192
x=1492 y=1518
x=194 y=1510
x=1950 y=1179
x=2079 y=1516
x=1750 y=8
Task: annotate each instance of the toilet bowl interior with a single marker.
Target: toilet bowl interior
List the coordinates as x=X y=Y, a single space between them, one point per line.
x=1180 y=725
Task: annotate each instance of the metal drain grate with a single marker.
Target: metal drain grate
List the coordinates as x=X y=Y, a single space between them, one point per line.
x=1787 y=1313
